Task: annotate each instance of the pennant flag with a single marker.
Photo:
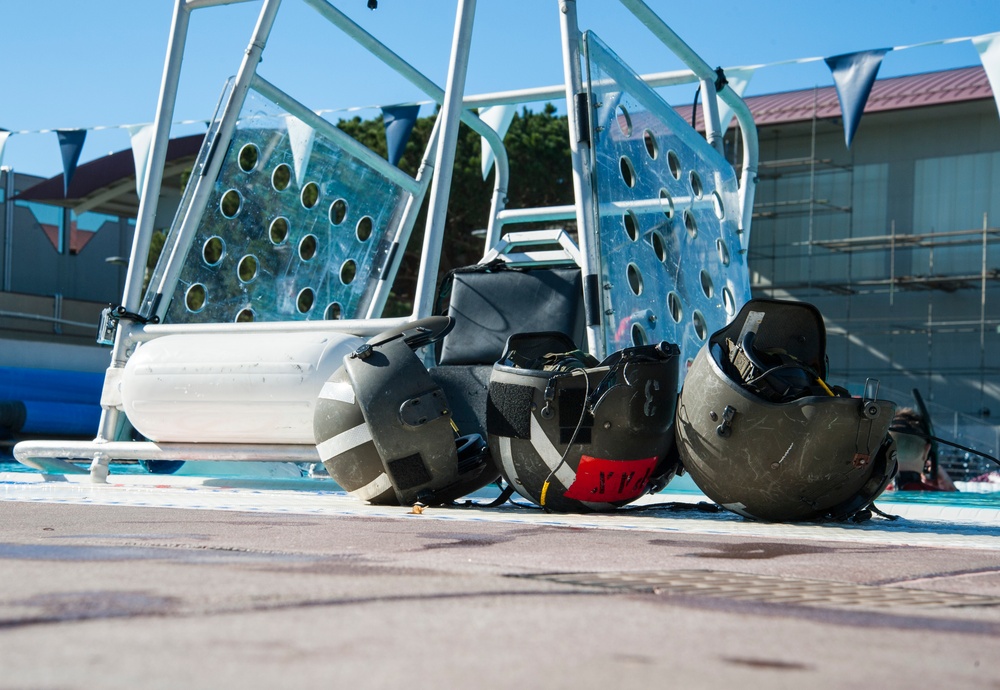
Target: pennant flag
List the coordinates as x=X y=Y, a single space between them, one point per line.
x=988 y=47
x=853 y=75
x=398 y=121
x=3 y=141
x=736 y=80
x=498 y=117
x=142 y=139
x=301 y=138
x=70 y=145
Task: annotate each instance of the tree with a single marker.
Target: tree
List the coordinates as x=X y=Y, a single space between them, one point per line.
x=541 y=175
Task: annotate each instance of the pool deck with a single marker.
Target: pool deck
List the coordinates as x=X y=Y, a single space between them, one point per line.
x=174 y=581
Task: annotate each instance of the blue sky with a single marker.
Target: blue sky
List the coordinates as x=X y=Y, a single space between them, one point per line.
x=99 y=64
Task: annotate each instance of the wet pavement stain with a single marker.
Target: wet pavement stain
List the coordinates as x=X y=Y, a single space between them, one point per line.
x=463 y=540
x=57 y=607
x=768 y=664
x=181 y=553
x=745 y=550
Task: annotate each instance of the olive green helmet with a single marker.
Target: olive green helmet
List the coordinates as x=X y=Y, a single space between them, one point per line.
x=763 y=435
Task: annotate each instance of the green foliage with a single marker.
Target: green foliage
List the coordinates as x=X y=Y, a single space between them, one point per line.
x=541 y=175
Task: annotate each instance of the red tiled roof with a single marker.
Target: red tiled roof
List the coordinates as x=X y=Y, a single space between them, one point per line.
x=897 y=93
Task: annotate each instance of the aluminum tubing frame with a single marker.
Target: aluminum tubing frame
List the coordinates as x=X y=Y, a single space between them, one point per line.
x=583 y=176
x=53 y=457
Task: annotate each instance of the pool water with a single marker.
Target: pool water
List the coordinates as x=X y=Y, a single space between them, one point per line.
x=970 y=499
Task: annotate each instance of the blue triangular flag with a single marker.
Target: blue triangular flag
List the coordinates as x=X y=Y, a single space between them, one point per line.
x=398 y=121
x=70 y=145
x=854 y=74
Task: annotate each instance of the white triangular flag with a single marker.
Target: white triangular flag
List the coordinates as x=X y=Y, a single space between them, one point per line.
x=300 y=137
x=988 y=47
x=142 y=139
x=737 y=80
x=498 y=117
x=3 y=142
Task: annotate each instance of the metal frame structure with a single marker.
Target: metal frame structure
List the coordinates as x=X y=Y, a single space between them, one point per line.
x=434 y=176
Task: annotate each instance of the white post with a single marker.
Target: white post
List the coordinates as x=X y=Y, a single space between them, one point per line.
x=444 y=160
x=579 y=112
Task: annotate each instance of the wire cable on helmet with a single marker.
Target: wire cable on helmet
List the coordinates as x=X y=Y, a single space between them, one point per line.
x=572 y=439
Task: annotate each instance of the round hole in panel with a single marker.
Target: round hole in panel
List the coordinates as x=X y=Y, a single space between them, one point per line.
x=634 y=279
x=666 y=203
x=246 y=315
x=364 y=229
x=631 y=225
x=627 y=170
x=707 y=287
x=247 y=268
x=720 y=208
x=696 y=186
x=638 y=335
x=195 y=298
x=659 y=246
x=213 y=250
x=310 y=195
x=281 y=177
x=307 y=247
x=333 y=312
x=249 y=155
x=674 y=164
x=278 y=232
x=700 y=327
x=624 y=121
x=674 y=306
x=650 y=142
x=723 y=249
x=348 y=270
x=230 y=203
x=304 y=302
x=690 y=224
x=728 y=301
x=338 y=211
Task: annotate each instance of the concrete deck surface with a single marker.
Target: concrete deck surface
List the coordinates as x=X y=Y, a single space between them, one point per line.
x=119 y=587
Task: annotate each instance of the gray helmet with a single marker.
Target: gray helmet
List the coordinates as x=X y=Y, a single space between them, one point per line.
x=384 y=430
x=573 y=435
x=763 y=435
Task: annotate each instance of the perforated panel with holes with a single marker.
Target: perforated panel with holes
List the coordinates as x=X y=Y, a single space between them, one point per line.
x=295 y=228
x=671 y=266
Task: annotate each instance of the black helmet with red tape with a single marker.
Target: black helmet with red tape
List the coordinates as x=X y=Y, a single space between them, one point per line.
x=573 y=435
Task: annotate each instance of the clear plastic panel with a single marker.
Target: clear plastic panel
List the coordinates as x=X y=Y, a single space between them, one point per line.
x=671 y=266
x=295 y=228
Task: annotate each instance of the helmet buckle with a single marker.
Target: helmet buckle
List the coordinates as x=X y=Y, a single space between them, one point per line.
x=725 y=429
